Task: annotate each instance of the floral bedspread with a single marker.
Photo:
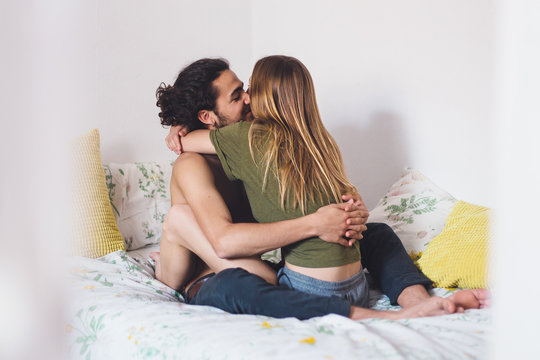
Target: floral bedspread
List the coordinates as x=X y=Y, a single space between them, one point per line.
x=118 y=310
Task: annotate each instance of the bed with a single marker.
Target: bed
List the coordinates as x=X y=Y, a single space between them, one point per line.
x=118 y=310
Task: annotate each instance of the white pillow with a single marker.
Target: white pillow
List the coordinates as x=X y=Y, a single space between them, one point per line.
x=140 y=198
x=416 y=209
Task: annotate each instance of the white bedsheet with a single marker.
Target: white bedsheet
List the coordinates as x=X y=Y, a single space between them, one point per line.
x=119 y=311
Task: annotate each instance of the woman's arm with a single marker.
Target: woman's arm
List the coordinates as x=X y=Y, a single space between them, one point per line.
x=198 y=141
x=173 y=138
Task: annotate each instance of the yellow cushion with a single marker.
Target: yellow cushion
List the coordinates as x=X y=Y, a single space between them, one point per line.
x=95 y=230
x=458 y=255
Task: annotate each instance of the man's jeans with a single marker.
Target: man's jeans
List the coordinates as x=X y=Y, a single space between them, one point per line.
x=240 y=292
x=383 y=255
x=391 y=268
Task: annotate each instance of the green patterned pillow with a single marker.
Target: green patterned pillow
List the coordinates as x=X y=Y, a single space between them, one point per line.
x=140 y=199
x=416 y=209
x=273 y=256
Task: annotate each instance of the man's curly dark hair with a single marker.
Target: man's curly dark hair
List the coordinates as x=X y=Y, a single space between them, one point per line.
x=192 y=92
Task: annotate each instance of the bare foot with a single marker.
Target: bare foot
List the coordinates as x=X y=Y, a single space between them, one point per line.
x=412 y=295
x=433 y=306
x=156 y=257
x=430 y=307
x=471 y=299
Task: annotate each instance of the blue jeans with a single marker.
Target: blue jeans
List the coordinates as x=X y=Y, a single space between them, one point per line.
x=240 y=292
x=354 y=289
x=383 y=255
x=388 y=263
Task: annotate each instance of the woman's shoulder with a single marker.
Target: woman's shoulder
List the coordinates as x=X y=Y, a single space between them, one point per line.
x=237 y=129
x=231 y=139
x=242 y=126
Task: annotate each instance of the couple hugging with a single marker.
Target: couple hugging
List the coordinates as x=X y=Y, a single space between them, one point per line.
x=273 y=151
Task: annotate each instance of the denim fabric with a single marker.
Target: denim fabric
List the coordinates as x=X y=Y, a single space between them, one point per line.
x=354 y=289
x=383 y=255
x=388 y=263
x=239 y=292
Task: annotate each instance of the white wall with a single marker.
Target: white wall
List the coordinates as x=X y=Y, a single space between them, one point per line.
x=129 y=47
x=398 y=83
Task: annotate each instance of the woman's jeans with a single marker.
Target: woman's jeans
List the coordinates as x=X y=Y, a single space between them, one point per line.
x=354 y=289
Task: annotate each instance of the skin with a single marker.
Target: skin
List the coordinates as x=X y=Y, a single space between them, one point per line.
x=192 y=226
x=183 y=237
x=223 y=244
x=200 y=221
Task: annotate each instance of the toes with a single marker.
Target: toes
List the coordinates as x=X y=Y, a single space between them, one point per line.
x=483 y=296
x=448 y=306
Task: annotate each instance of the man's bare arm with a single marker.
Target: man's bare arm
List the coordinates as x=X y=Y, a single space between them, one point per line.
x=231 y=240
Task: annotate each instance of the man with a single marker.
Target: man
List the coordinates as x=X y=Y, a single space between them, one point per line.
x=207 y=94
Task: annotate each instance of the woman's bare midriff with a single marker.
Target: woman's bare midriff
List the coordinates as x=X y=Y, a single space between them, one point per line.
x=337 y=273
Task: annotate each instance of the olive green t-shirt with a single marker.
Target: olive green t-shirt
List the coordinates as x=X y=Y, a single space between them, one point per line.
x=232 y=147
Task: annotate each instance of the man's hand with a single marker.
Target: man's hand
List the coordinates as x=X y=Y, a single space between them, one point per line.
x=335 y=221
x=173 y=138
x=355 y=199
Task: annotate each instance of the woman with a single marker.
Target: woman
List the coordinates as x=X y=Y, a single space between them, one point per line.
x=290 y=166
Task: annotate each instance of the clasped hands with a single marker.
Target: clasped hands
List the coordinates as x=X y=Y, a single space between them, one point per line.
x=342 y=223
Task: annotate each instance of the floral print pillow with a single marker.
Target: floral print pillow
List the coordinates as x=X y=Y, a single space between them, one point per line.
x=140 y=199
x=416 y=209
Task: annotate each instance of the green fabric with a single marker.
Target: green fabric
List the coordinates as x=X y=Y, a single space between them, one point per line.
x=232 y=147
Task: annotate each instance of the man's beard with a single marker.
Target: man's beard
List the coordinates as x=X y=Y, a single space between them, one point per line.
x=224 y=120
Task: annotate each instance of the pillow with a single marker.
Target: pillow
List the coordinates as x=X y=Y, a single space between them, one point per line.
x=273 y=256
x=416 y=209
x=94 y=226
x=458 y=256
x=140 y=198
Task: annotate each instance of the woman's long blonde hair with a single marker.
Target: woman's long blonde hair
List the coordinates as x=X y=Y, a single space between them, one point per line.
x=288 y=132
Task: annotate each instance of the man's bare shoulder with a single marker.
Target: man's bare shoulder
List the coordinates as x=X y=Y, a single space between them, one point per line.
x=190 y=166
x=194 y=175
x=188 y=159
x=188 y=163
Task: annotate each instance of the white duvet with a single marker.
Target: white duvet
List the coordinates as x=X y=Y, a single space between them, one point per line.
x=118 y=310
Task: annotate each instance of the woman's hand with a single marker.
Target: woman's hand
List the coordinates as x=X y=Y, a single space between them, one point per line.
x=173 y=138
x=336 y=221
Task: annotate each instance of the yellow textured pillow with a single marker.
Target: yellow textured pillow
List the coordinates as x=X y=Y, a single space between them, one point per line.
x=95 y=230
x=458 y=255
